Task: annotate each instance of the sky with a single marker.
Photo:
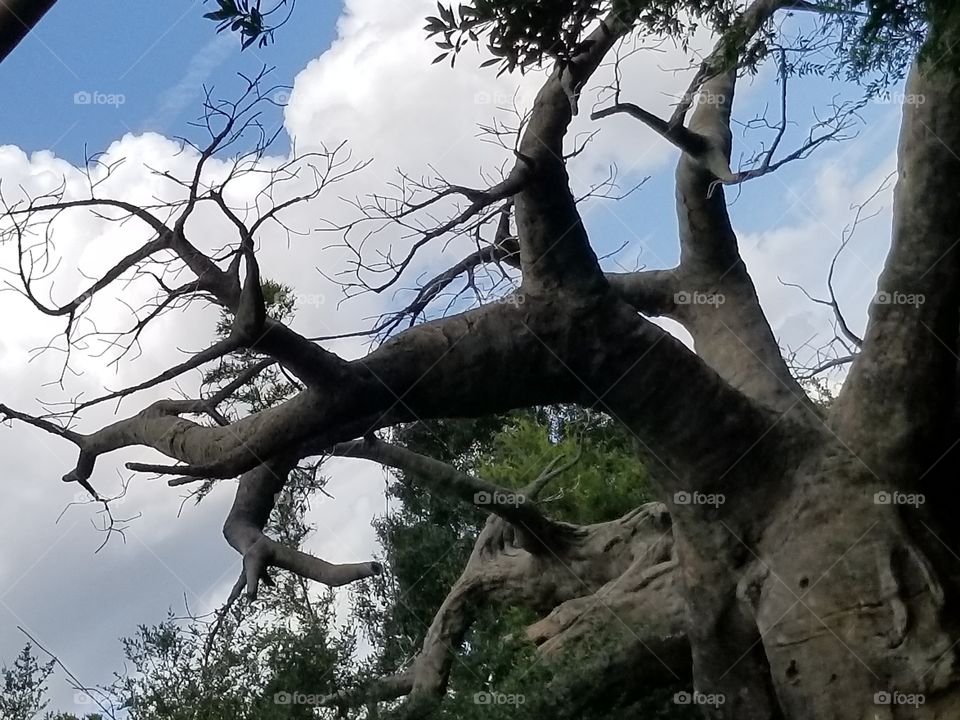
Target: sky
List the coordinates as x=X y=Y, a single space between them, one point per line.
x=145 y=71
x=127 y=82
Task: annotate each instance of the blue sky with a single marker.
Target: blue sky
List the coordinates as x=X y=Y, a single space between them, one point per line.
x=156 y=54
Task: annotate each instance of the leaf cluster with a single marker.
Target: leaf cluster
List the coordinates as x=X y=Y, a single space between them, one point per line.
x=244 y=17
x=520 y=34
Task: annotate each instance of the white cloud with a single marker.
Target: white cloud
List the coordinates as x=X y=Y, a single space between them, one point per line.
x=188 y=92
x=799 y=251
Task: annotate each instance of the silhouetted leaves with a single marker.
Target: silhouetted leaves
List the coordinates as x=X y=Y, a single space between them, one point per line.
x=247 y=18
x=872 y=41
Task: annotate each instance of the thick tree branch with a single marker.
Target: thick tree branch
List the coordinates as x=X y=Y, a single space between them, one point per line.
x=537 y=532
x=722 y=311
x=713 y=294
x=620 y=363
x=732 y=45
x=677 y=135
x=250 y=439
x=651 y=292
x=893 y=411
x=243 y=529
x=554 y=248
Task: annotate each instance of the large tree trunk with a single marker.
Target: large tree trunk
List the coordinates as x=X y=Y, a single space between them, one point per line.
x=849 y=600
x=843 y=581
x=824 y=586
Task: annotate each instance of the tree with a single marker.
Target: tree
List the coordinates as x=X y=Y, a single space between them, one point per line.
x=252 y=662
x=246 y=660
x=24 y=688
x=789 y=567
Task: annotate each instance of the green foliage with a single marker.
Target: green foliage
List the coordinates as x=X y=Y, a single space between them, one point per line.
x=395 y=608
x=874 y=40
x=271 y=386
x=499 y=676
x=520 y=34
x=606 y=481
x=881 y=37
x=24 y=686
x=427 y=540
x=258 y=660
x=249 y=19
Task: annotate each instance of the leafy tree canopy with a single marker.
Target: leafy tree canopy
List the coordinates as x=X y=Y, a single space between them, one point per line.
x=873 y=36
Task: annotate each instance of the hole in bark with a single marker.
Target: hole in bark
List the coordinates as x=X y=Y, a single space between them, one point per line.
x=793 y=671
x=804 y=583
